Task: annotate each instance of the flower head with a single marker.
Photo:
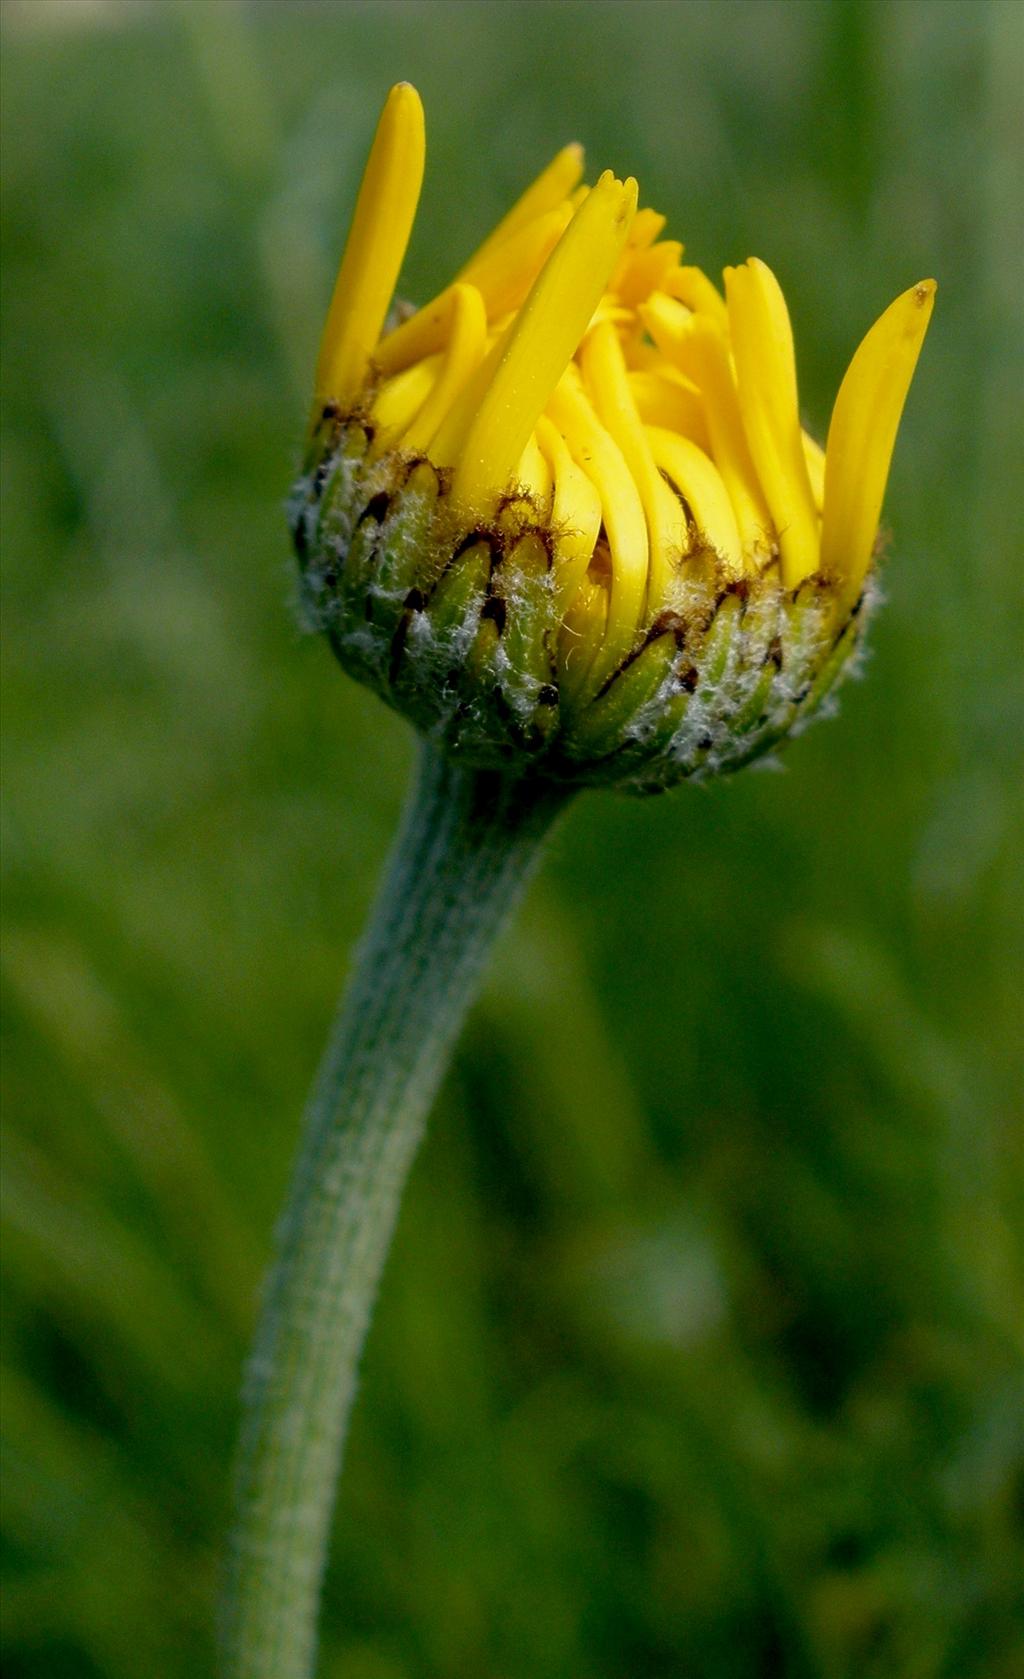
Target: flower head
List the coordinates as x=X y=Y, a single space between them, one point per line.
x=566 y=513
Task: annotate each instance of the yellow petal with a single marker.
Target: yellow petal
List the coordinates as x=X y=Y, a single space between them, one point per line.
x=400 y=399
x=467 y=336
x=667 y=398
x=552 y=185
x=505 y=276
x=642 y=272
x=575 y=512
x=707 y=356
x=622 y=512
x=608 y=382
x=541 y=341
x=692 y=287
x=502 y=278
x=533 y=474
x=667 y=320
x=644 y=229
x=581 y=640
x=762 y=343
x=376 y=247
x=814 y=455
x=699 y=481
x=677 y=331
x=862 y=434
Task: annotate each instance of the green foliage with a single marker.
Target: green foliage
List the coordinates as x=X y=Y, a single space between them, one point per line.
x=699 y=1349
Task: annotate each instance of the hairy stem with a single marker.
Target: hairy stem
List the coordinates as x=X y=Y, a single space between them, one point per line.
x=464 y=852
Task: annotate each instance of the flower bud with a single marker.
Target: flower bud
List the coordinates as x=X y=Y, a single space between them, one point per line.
x=565 y=517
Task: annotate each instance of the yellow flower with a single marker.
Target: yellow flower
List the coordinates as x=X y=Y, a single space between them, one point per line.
x=567 y=510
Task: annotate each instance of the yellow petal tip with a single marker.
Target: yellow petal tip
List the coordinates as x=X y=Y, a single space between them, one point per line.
x=862 y=434
x=375 y=248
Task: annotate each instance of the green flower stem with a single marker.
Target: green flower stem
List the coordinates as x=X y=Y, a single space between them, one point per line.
x=464 y=852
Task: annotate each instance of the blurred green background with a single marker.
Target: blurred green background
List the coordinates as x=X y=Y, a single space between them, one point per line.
x=699 y=1353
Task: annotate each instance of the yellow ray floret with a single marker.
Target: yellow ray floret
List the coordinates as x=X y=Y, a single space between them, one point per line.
x=541 y=341
x=400 y=399
x=699 y=482
x=862 y=434
x=467 y=338
x=553 y=186
x=575 y=512
x=705 y=349
x=762 y=345
x=692 y=287
x=376 y=247
x=622 y=511
x=667 y=398
x=604 y=370
x=503 y=278
x=535 y=478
